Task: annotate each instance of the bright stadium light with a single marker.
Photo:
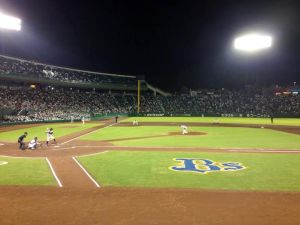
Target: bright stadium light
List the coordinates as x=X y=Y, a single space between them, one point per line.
x=10 y=22
x=252 y=42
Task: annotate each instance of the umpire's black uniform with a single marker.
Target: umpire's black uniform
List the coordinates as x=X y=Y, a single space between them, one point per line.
x=21 y=141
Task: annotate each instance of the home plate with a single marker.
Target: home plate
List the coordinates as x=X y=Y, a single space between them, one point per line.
x=56 y=146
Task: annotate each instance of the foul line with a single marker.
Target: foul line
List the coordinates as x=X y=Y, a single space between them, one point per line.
x=97 y=153
x=53 y=172
x=58 y=149
x=86 y=172
x=87 y=133
x=271 y=151
x=25 y=157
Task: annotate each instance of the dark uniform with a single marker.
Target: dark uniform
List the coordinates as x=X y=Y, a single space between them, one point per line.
x=116 y=118
x=21 y=141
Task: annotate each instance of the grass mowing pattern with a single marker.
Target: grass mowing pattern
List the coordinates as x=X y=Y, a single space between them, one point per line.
x=26 y=171
x=217 y=137
x=60 y=130
x=271 y=172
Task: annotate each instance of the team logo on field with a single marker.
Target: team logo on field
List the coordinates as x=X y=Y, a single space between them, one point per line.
x=3 y=163
x=204 y=166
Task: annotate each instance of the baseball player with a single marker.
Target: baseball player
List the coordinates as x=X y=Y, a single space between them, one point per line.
x=184 y=129
x=135 y=123
x=21 y=141
x=33 y=144
x=50 y=136
x=83 y=120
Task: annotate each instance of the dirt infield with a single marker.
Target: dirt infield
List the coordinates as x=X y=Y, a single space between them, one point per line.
x=80 y=202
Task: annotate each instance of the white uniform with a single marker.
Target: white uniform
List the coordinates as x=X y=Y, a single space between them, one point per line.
x=50 y=135
x=33 y=144
x=83 y=120
x=135 y=123
x=184 y=129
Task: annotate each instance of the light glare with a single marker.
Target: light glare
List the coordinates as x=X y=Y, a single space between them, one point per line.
x=252 y=42
x=10 y=22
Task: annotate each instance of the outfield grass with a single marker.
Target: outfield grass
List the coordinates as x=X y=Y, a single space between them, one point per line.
x=216 y=137
x=243 y=120
x=60 y=129
x=25 y=171
x=271 y=172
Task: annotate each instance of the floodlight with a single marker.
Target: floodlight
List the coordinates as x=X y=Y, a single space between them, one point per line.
x=10 y=22
x=252 y=42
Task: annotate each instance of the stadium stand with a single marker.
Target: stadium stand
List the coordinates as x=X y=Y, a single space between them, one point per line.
x=26 y=104
x=55 y=101
x=24 y=70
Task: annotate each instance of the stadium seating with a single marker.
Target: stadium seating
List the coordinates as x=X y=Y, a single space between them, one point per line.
x=31 y=71
x=54 y=101
x=27 y=104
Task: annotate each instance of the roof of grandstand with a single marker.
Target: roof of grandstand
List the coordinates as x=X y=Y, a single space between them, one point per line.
x=68 y=68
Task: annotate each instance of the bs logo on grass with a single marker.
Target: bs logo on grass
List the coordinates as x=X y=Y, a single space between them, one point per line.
x=3 y=163
x=205 y=165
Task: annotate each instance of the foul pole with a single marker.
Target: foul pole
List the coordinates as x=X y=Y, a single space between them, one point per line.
x=139 y=96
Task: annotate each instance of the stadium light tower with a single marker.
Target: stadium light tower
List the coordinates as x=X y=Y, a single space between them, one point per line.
x=252 y=42
x=10 y=22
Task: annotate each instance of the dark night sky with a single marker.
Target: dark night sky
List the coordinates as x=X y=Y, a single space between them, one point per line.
x=172 y=43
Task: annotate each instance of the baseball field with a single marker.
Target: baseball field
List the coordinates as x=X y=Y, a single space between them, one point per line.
x=224 y=171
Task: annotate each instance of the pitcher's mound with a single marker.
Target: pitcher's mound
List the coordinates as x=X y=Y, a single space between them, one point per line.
x=189 y=133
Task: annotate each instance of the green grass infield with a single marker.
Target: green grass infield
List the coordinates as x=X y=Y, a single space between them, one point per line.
x=213 y=137
x=25 y=171
x=268 y=172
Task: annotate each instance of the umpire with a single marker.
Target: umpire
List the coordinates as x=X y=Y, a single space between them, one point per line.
x=21 y=141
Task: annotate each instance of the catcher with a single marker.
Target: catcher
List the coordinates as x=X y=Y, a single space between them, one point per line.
x=34 y=144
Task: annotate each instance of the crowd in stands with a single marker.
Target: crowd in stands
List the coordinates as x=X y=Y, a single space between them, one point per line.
x=18 y=67
x=21 y=103
x=218 y=102
x=40 y=104
x=61 y=104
